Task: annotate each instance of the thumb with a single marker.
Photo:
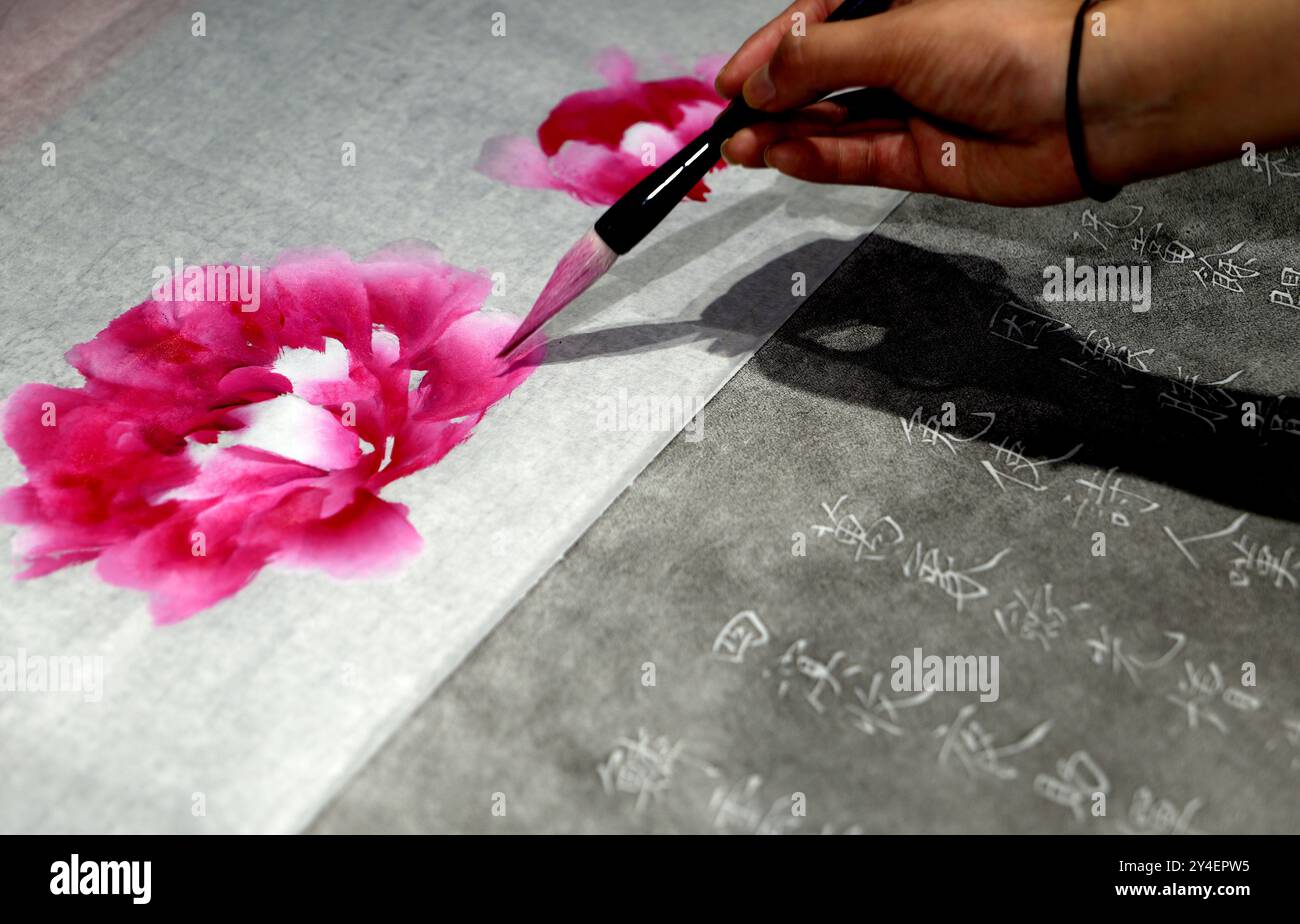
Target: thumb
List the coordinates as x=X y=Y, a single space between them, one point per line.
x=831 y=56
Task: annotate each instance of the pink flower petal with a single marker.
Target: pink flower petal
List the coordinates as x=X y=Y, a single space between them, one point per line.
x=590 y=144
x=209 y=442
x=516 y=161
x=367 y=537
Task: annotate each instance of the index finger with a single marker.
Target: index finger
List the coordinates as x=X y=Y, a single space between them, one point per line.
x=758 y=48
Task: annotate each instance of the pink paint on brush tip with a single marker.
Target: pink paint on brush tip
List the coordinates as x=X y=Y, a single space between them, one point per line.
x=210 y=441
x=598 y=144
x=577 y=271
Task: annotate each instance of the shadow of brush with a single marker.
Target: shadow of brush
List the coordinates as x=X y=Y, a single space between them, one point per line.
x=732 y=324
x=663 y=254
x=898 y=327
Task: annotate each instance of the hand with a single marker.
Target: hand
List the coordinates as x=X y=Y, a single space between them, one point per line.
x=1168 y=86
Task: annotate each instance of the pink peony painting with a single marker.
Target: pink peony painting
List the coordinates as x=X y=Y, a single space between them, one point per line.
x=597 y=144
x=210 y=440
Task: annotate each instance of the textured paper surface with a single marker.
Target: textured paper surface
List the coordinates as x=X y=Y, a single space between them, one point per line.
x=227 y=147
x=710 y=530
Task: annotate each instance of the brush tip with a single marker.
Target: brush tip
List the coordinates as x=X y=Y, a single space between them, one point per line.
x=587 y=260
x=514 y=343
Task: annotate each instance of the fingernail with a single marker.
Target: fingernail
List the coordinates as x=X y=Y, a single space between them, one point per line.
x=759 y=88
x=772 y=157
x=717 y=81
x=725 y=154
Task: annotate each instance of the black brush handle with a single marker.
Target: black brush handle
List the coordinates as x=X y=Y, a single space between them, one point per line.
x=631 y=218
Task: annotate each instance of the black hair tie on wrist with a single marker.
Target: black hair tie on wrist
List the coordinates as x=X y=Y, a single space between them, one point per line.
x=1074 y=121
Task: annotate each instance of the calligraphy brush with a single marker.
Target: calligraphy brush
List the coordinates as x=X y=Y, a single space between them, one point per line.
x=632 y=217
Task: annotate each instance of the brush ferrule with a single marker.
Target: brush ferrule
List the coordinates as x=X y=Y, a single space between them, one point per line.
x=632 y=217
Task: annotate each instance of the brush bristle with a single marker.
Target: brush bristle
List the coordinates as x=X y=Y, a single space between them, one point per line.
x=586 y=261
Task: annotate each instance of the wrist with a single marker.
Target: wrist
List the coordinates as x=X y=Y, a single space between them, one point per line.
x=1126 y=107
x=1169 y=87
